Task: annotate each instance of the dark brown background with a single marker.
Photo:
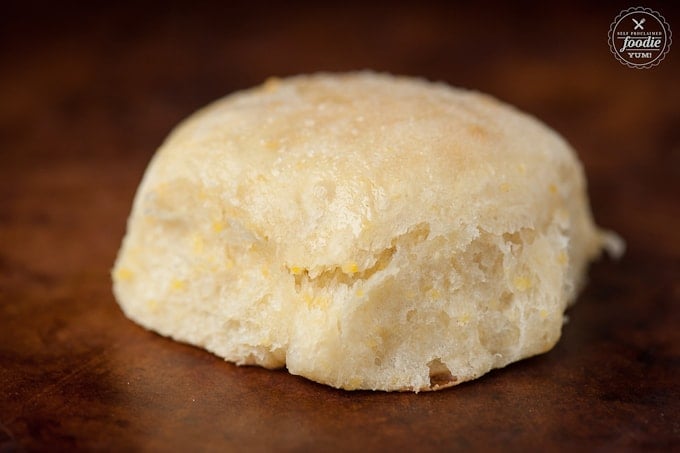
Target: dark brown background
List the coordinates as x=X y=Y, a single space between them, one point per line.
x=88 y=92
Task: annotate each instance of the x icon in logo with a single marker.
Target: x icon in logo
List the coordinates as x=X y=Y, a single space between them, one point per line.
x=638 y=24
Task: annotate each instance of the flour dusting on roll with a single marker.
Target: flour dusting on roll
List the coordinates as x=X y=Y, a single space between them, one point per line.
x=363 y=230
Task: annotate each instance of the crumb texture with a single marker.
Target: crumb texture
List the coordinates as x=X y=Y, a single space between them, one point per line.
x=363 y=230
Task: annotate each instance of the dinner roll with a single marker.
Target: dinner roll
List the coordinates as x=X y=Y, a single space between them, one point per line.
x=363 y=230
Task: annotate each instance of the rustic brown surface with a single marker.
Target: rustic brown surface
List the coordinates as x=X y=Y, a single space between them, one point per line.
x=86 y=95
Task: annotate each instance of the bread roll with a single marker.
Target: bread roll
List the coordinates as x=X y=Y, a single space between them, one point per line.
x=363 y=230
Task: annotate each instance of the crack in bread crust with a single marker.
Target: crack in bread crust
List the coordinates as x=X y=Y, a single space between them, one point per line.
x=347 y=274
